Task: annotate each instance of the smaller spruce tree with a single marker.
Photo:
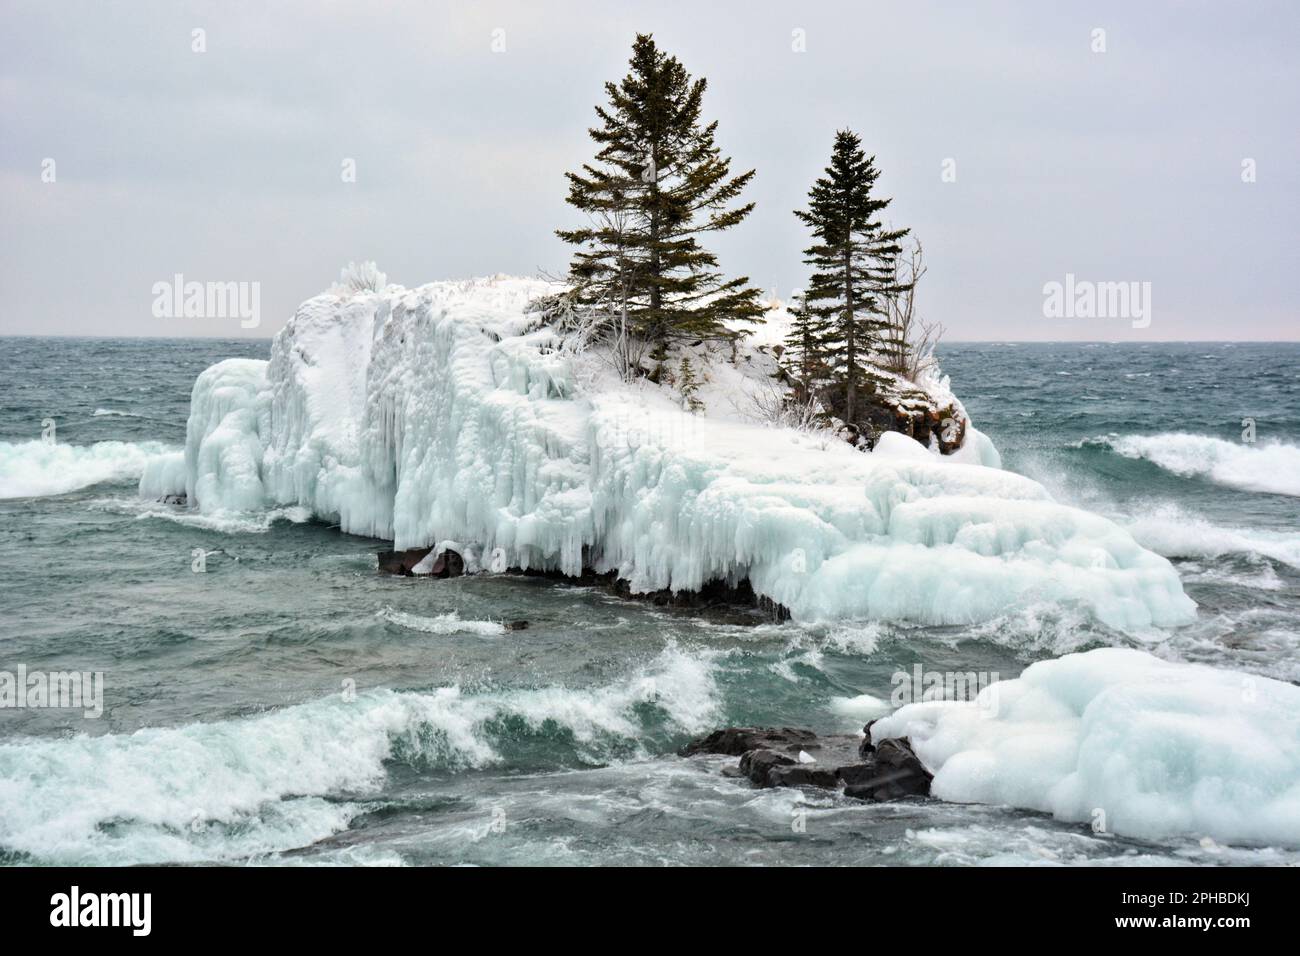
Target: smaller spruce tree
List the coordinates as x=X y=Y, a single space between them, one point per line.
x=853 y=256
x=688 y=385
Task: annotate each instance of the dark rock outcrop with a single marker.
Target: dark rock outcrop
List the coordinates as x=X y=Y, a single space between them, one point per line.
x=448 y=564
x=770 y=757
x=757 y=764
x=401 y=562
x=736 y=741
x=895 y=772
x=887 y=402
x=713 y=598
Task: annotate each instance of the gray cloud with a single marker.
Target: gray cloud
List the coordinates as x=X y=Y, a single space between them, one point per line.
x=226 y=165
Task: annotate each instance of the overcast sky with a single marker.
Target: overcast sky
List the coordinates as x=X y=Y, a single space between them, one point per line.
x=227 y=165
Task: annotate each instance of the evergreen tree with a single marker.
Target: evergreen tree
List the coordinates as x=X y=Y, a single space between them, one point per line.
x=688 y=385
x=806 y=347
x=657 y=184
x=853 y=256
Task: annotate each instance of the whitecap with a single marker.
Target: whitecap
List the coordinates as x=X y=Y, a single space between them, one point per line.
x=449 y=623
x=37 y=468
x=1268 y=466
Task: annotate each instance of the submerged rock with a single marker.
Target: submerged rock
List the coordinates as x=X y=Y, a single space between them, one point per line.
x=789 y=757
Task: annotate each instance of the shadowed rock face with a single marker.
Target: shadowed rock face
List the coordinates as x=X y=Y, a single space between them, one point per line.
x=448 y=564
x=788 y=757
x=736 y=741
x=401 y=562
x=714 y=596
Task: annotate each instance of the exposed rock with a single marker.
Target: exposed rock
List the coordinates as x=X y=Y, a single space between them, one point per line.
x=182 y=499
x=448 y=564
x=889 y=402
x=802 y=775
x=866 y=748
x=899 y=773
x=757 y=764
x=401 y=562
x=786 y=757
x=712 y=595
x=516 y=625
x=414 y=561
x=735 y=741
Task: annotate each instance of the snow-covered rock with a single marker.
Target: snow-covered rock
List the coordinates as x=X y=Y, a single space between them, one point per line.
x=1123 y=741
x=451 y=412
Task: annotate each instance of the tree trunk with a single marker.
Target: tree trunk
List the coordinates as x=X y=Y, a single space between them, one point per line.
x=850 y=341
x=656 y=295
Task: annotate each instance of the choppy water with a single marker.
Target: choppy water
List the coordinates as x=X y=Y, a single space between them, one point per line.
x=231 y=731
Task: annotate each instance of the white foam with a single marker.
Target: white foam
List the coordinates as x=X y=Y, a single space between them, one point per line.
x=241 y=787
x=1122 y=740
x=36 y=469
x=449 y=623
x=1268 y=466
x=222 y=522
x=1170 y=530
x=859 y=709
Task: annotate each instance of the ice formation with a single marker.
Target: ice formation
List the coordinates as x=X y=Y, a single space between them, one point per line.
x=451 y=412
x=1123 y=741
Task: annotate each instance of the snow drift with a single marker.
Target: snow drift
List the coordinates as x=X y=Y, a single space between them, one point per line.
x=1124 y=741
x=451 y=412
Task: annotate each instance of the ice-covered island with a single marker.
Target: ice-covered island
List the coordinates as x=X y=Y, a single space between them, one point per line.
x=457 y=416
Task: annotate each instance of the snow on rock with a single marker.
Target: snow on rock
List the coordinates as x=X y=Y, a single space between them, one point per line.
x=450 y=412
x=1124 y=741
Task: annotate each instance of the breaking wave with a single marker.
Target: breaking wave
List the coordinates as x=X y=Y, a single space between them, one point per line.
x=243 y=788
x=38 y=469
x=449 y=623
x=1272 y=467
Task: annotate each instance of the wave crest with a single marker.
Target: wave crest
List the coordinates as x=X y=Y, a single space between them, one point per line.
x=1272 y=467
x=39 y=469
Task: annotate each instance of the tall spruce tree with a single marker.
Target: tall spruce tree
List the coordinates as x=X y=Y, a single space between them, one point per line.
x=657 y=184
x=853 y=256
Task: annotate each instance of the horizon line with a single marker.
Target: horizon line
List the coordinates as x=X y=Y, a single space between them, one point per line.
x=993 y=341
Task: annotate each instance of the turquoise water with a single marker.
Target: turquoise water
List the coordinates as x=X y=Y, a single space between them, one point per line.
x=288 y=704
